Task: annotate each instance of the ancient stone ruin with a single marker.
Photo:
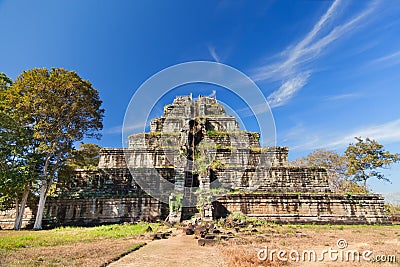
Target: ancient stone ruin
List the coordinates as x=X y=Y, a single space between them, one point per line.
x=195 y=148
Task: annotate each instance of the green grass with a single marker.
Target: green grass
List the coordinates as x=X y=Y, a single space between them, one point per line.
x=10 y=240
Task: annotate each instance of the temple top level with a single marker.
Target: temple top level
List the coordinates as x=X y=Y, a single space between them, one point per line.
x=184 y=109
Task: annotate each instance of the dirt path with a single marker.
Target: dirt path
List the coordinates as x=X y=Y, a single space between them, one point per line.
x=180 y=250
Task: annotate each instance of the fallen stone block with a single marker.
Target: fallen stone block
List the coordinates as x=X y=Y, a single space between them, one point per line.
x=159 y=235
x=209 y=236
x=206 y=242
x=216 y=231
x=189 y=231
x=224 y=237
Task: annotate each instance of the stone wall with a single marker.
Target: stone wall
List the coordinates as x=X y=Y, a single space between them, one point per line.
x=274 y=179
x=111 y=158
x=231 y=156
x=90 y=211
x=104 y=210
x=184 y=106
x=177 y=115
x=7 y=218
x=104 y=182
x=276 y=207
x=242 y=168
x=306 y=208
x=234 y=140
x=295 y=179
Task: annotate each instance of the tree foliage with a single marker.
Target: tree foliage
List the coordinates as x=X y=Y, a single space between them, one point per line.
x=5 y=81
x=360 y=162
x=13 y=143
x=59 y=108
x=86 y=157
x=330 y=160
x=19 y=164
x=9 y=155
x=365 y=158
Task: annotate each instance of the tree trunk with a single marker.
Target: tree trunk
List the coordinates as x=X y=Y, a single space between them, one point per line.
x=40 y=210
x=16 y=209
x=21 y=208
x=364 y=177
x=42 y=196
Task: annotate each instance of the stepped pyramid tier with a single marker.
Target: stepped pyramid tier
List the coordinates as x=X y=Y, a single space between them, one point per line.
x=197 y=139
x=195 y=146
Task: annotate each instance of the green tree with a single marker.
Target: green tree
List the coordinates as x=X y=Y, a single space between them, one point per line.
x=365 y=158
x=334 y=164
x=18 y=163
x=60 y=108
x=86 y=157
x=336 y=168
x=18 y=168
x=5 y=81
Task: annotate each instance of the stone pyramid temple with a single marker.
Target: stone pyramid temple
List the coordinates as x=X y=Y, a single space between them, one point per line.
x=195 y=147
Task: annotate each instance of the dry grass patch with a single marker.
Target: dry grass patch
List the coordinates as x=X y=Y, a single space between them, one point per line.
x=95 y=253
x=245 y=256
x=381 y=240
x=71 y=246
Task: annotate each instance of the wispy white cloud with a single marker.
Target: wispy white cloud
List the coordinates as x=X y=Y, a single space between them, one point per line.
x=292 y=57
x=292 y=66
x=287 y=90
x=390 y=59
x=254 y=110
x=387 y=132
x=213 y=94
x=118 y=129
x=302 y=138
x=342 y=96
x=213 y=53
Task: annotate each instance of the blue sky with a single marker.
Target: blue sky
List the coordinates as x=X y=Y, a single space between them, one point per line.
x=329 y=69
